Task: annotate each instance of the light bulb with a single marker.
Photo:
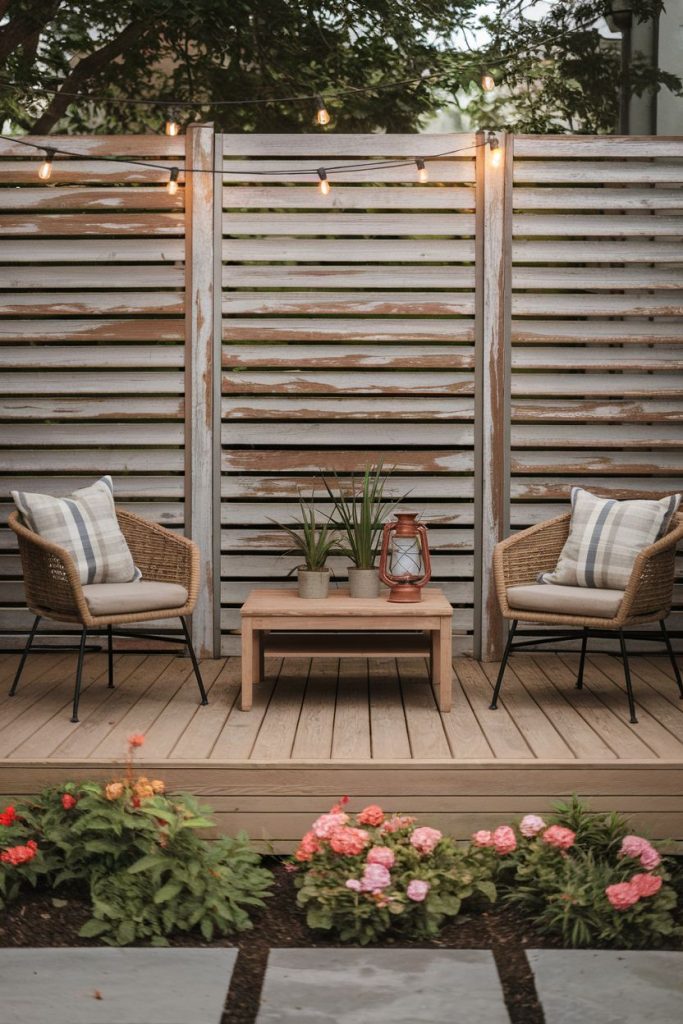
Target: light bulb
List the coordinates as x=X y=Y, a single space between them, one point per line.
x=45 y=169
x=322 y=116
x=496 y=157
x=422 y=172
x=172 y=127
x=172 y=186
x=488 y=82
x=324 y=184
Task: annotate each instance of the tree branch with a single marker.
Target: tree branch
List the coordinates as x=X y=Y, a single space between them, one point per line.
x=23 y=26
x=84 y=70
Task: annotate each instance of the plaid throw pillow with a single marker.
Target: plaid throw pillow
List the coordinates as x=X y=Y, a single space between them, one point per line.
x=606 y=536
x=85 y=524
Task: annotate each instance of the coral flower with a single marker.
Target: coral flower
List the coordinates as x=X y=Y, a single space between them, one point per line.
x=136 y=740
x=424 y=839
x=559 y=836
x=16 y=855
x=397 y=822
x=417 y=890
x=113 y=790
x=531 y=825
x=622 y=895
x=143 y=788
x=646 y=885
x=68 y=801
x=349 y=841
x=504 y=840
x=8 y=816
x=326 y=824
x=307 y=847
x=158 y=786
x=381 y=855
x=482 y=838
x=371 y=815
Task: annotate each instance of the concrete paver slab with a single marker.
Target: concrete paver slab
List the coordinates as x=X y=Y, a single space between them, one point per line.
x=586 y=986
x=114 y=986
x=385 y=986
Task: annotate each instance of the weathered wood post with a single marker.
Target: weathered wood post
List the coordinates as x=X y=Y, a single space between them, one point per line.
x=493 y=272
x=199 y=374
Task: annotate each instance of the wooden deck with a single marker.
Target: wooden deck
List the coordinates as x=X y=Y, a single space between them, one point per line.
x=367 y=728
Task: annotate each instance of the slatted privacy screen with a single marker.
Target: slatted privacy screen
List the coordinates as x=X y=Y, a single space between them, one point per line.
x=92 y=332
x=348 y=338
x=597 y=321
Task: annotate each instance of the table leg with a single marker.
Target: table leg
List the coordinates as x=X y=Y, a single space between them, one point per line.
x=445 y=661
x=249 y=662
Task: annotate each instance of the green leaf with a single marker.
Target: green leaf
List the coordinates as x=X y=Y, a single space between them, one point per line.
x=92 y=928
x=488 y=889
x=150 y=860
x=167 y=892
x=317 y=917
x=125 y=933
x=206 y=928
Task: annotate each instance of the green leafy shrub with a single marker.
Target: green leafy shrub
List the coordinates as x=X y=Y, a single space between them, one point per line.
x=22 y=862
x=140 y=853
x=584 y=878
x=365 y=876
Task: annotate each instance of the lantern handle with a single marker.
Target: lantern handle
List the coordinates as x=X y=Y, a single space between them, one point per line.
x=386 y=534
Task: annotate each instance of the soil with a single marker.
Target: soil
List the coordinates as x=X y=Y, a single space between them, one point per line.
x=40 y=919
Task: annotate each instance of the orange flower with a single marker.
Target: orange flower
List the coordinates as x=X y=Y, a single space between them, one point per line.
x=158 y=786
x=114 y=790
x=16 y=855
x=143 y=788
x=136 y=740
x=372 y=815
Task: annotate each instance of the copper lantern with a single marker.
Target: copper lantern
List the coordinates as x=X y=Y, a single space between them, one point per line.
x=404 y=562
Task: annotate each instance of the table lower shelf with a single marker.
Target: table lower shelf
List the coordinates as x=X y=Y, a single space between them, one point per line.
x=346 y=645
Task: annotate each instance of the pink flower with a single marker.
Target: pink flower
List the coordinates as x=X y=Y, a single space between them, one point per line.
x=397 y=822
x=349 y=841
x=622 y=895
x=326 y=824
x=372 y=815
x=646 y=885
x=307 y=847
x=559 y=836
x=16 y=855
x=424 y=839
x=136 y=740
x=68 y=801
x=417 y=890
x=353 y=884
x=531 y=825
x=483 y=838
x=640 y=849
x=375 y=878
x=381 y=855
x=504 y=840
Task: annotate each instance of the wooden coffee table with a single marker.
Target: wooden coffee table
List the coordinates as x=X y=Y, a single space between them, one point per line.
x=282 y=624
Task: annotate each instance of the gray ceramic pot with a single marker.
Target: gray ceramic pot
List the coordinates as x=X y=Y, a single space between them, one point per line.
x=363 y=582
x=313 y=585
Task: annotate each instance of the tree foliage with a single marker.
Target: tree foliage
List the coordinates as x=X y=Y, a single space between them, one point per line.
x=555 y=72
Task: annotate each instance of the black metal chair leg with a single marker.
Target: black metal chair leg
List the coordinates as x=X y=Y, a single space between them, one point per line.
x=672 y=658
x=110 y=656
x=582 y=661
x=627 y=677
x=195 y=663
x=20 y=667
x=501 y=672
x=79 y=674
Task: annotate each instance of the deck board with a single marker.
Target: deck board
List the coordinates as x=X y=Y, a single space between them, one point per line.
x=371 y=728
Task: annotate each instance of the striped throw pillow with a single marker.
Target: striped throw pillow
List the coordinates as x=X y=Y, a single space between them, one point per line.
x=85 y=524
x=605 y=538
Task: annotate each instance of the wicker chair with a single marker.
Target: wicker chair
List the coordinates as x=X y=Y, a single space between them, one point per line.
x=54 y=590
x=518 y=561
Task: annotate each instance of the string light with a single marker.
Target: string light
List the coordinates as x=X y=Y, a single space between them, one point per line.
x=422 y=172
x=324 y=184
x=322 y=116
x=172 y=186
x=488 y=82
x=172 y=127
x=496 y=151
x=45 y=169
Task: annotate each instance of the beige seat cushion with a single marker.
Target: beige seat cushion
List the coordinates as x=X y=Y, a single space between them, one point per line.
x=560 y=600
x=127 y=598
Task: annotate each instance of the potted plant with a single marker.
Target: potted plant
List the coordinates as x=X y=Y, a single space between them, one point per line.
x=314 y=542
x=360 y=512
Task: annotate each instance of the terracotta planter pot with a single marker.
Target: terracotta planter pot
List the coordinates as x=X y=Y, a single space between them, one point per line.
x=313 y=585
x=363 y=582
